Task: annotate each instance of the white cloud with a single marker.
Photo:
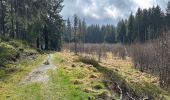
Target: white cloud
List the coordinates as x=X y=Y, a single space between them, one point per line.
x=91 y=10
x=112 y=12
x=144 y=3
x=104 y=11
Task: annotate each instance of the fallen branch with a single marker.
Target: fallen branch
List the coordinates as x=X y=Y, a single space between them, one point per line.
x=118 y=86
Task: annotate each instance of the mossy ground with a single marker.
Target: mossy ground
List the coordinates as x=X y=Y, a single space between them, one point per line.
x=11 y=83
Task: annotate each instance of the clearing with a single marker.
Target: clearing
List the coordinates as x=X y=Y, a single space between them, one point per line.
x=70 y=77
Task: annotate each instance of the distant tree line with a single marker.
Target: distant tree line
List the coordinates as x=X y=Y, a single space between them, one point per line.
x=35 y=21
x=89 y=34
x=146 y=24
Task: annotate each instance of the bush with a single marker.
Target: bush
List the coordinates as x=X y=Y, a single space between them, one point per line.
x=144 y=56
x=98 y=50
x=154 y=57
x=163 y=50
x=15 y=44
x=5 y=39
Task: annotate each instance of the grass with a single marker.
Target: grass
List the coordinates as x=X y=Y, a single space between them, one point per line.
x=32 y=91
x=62 y=88
x=135 y=78
x=66 y=82
x=140 y=88
x=16 y=61
x=71 y=80
x=72 y=83
x=11 y=83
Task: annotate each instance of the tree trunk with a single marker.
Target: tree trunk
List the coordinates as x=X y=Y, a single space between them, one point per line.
x=75 y=42
x=2 y=18
x=46 y=37
x=38 y=42
x=12 y=21
x=16 y=17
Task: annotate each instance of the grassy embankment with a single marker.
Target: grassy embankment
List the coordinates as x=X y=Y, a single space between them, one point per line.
x=17 y=59
x=131 y=80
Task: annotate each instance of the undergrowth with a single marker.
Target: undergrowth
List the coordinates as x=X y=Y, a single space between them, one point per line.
x=11 y=51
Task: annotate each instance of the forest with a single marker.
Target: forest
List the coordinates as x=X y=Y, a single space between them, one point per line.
x=46 y=56
x=145 y=25
x=37 y=22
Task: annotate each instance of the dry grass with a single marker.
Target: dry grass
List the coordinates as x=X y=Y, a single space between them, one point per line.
x=122 y=71
x=113 y=57
x=126 y=69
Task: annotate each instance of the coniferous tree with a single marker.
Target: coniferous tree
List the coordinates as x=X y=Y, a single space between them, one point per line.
x=84 y=29
x=131 y=33
x=145 y=25
x=121 y=31
x=139 y=25
x=69 y=30
x=45 y=31
x=3 y=11
x=79 y=31
x=25 y=20
x=110 y=34
x=167 y=22
x=75 y=33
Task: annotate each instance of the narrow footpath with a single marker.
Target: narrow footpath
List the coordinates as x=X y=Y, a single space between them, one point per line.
x=39 y=74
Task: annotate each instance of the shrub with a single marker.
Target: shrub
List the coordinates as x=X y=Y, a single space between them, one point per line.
x=154 y=57
x=144 y=56
x=99 y=50
x=163 y=50
x=15 y=44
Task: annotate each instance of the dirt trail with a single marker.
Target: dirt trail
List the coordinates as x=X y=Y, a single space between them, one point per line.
x=39 y=74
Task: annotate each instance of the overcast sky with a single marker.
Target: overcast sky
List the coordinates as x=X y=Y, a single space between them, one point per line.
x=106 y=11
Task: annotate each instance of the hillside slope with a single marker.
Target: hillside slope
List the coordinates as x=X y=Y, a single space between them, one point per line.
x=11 y=52
x=17 y=59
